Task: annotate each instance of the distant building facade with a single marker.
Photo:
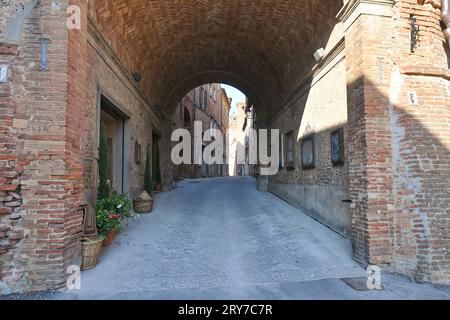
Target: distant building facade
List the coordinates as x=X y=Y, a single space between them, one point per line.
x=241 y=125
x=209 y=104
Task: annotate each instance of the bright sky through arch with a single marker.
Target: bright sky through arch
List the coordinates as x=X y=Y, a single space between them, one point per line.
x=236 y=95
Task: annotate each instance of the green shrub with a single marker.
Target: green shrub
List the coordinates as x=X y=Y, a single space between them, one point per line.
x=107 y=222
x=104 y=189
x=110 y=212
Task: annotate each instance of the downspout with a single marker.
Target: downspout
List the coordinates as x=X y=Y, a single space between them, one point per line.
x=445 y=14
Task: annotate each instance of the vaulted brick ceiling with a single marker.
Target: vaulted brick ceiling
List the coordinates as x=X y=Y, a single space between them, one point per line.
x=263 y=47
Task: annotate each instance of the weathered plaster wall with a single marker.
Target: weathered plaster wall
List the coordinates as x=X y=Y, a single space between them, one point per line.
x=320 y=108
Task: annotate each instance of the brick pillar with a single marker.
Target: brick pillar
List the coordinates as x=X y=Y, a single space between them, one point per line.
x=421 y=137
x=43 y=149
x=76 y=138
x=368 y=26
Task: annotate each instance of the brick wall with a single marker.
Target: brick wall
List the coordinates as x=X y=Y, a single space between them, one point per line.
x=399 y=148
x=421 y=138
x=39 y=231
x=370 y=138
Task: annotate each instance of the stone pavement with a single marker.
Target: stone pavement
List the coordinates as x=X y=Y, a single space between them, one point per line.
x=223 y=239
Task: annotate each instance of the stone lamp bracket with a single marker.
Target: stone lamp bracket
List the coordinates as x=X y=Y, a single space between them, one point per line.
x=415 y=30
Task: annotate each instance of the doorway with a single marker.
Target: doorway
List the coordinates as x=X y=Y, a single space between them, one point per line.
x=116 y=126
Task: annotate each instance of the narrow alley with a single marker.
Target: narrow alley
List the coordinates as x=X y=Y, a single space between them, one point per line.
x=222 y=238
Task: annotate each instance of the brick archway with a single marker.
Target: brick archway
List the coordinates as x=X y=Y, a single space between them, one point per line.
x=147 y=54
x=175 y=41
x=214 y=76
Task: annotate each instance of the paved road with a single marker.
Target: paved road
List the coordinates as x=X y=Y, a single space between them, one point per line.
x=222 y=239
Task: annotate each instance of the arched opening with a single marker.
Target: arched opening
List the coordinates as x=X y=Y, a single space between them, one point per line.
x=230 y=116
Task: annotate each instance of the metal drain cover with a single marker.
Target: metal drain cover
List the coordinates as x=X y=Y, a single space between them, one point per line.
x=358 y=284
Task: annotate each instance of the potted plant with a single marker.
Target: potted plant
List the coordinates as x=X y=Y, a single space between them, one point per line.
x=110 y=213
x=108 y=224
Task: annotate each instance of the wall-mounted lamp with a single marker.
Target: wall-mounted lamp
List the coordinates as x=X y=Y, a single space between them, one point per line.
x=137 y=77
x=44 y=48
x=319 y=54
x=415 y=29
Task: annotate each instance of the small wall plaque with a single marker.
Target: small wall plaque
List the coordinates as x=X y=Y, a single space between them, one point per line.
x=413 y=100
x=3 y=73
x=137 y=152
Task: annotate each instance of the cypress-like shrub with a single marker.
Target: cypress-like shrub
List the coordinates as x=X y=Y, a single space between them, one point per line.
x=104 y=189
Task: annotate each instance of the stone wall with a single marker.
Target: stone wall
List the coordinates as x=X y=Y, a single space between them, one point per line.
x=11 y=170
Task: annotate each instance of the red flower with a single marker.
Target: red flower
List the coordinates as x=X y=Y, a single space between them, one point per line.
x=114 y=216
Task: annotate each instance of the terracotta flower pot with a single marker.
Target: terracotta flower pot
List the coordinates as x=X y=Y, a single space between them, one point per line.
x=110 y=238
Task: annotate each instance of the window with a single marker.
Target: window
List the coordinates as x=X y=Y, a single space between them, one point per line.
x=290 y=150
x=337 y=147
x=281 y=151
x=308 y=153
x=203 y=98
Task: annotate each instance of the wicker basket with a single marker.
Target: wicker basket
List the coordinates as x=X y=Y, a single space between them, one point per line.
x=90 y=248
x=143 y=206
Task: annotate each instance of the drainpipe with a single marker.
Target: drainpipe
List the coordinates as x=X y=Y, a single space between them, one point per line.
x=446 y=19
